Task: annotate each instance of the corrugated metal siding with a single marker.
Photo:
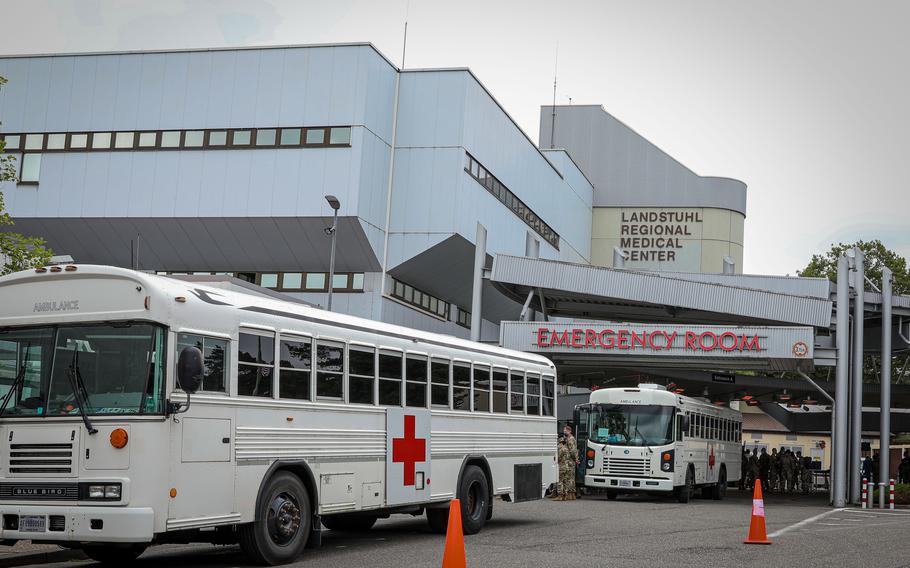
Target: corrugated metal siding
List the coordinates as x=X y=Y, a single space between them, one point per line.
x=662 y=290
x=794 y=286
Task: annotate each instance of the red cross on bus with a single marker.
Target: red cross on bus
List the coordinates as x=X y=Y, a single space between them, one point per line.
x=409 y=450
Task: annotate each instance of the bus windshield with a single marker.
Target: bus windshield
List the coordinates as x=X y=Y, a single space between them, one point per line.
x=630 y=425
x=111 y=368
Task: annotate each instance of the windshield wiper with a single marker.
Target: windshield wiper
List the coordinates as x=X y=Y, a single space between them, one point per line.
x=20 y=377
x=75 y=379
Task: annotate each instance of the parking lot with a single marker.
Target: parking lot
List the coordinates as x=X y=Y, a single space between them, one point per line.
x=633 y=531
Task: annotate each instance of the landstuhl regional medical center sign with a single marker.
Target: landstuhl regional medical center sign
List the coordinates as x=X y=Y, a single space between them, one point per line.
x=617 y=339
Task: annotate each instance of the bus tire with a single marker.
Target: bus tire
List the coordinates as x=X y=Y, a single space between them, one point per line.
x=684 y=493
x=474 y=494
x=114 y=554
x=349 y=523
x=612 y=495
x=282 y=528
x=719 y=491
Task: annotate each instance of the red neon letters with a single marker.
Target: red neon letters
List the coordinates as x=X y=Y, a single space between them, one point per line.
x=656 y=340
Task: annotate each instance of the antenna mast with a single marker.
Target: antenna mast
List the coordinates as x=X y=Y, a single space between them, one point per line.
x=553 y=108
x=404 y=47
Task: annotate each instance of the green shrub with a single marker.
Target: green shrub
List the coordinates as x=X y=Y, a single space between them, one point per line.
x=901 y=494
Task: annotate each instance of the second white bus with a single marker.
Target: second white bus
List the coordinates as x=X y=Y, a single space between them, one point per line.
x=647 y=439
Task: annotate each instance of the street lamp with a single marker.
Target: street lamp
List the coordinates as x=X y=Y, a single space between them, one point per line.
x=332 y=231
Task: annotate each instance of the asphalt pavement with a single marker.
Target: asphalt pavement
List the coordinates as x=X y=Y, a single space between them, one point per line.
x=632 y=531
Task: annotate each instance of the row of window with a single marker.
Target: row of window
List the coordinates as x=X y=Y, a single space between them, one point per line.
x=713 y=428
x=464 y=318
x=307 y=369
x=240 y=138
x=296 y=281
x=502 y=193
x=420 y=299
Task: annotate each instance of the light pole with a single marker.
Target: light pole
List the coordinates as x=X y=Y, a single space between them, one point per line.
x=332 y=231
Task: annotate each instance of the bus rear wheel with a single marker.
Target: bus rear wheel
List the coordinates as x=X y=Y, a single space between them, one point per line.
x=719 y=491
x=349 y=523
x=282 y=528
x=114 y=554
x=474 y=495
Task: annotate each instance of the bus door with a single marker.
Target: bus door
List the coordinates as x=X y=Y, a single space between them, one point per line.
x=581 y=419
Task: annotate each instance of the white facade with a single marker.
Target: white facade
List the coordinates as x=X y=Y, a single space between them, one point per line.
x=259 y=211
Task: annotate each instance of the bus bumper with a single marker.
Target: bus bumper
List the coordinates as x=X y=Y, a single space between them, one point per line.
x=78 y=524
x=627 y=483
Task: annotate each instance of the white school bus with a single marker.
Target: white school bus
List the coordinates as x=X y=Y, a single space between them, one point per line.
x=140 y=409
x=647 y=439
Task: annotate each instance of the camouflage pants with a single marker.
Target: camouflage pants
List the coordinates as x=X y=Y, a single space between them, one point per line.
x=806 y=480
x=566 y=481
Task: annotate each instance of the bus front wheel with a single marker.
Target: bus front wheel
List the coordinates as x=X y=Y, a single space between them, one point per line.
x=684 y=493
x=282 y=528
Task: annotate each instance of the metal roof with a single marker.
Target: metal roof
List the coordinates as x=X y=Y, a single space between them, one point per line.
x=579 y=290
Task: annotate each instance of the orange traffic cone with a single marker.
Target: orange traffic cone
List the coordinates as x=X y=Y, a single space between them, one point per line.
x=454 y=554
x=757 y=533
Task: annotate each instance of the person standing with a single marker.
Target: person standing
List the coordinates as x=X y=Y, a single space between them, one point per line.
x=764 y=468
x=572 y=446
x=566 y=471
x=744 y=469
x=786 y=471
x=903 y=470
x=806 y=479
x=754 y=471
x=774 y=472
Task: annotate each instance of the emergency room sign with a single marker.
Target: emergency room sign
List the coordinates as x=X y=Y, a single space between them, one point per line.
x=407 y=455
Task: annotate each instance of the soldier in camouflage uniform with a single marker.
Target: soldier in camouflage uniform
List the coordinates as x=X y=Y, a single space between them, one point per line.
x=775 y=469
x=572 y=446
x=787 y=468
x=806 y=473
x=566 y=472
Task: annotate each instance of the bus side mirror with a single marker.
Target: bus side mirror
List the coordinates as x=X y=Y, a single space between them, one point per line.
x=190 y=369
x=684 y=425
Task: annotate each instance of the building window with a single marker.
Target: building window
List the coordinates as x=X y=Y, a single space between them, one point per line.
x=241 y=137
x=517 y=392
x=756 y=435
x=415 y=390
x=510 y=200
x=124 y=140
x=315 y=136
x=461 y=386
x=268 y=280
x=315 y=280
x=12 y=142
x=170 y=139
x=30 y=168
x=148 y=139
x=217 y=138
x=500 y=391
x=34 y=141
x=214 y=359
x=291 y=280
x=418 y=299
x=56 y=141
x=390 y=378
x=265 y=137
x=295 y=365
x=361 y=374
x=255 y=365
x=329 y=369
x=78 y=141
x=290 y=136
x=464 y=318
x=439 y=383
x=101 y=140
x=340 y=136
x=193 y=138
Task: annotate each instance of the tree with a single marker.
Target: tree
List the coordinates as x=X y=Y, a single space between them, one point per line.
x=877 y=256
x=17 y=251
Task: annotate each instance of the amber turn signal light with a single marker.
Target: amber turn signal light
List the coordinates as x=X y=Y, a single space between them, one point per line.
x=119 y=438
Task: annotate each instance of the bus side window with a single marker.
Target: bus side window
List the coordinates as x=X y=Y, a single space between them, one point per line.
x=390 y=378
x=517 y=392
x=679 y=427
x=295 y=362
x=255 y=364
x=439 y=379
x=481 y=388
x=500 y=391
x=415 y=390
x=215 y=359
x=329 y=369
x=361 y=374
x=549 y=395
x=461 y=386
x=533 y=390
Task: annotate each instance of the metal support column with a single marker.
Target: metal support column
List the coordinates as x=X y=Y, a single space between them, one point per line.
x=532 y=250
x=480 y=261
x=884 y=452
x=856 y=385
x=839 y=415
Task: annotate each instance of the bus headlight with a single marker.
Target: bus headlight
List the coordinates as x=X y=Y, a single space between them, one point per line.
x=666 y=461
x=590 y=464
x=100 y=491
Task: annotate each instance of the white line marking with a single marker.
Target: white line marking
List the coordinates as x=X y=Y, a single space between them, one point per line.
x=895 y=512
x=803 y=523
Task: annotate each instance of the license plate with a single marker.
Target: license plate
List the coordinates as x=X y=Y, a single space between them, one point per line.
x=32 y=523
x=625 y=483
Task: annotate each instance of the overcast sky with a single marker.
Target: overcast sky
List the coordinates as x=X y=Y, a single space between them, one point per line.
x=808 y=102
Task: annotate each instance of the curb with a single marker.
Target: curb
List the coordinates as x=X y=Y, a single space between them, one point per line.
x=26 y=558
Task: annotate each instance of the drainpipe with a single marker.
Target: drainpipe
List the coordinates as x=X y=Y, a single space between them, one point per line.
x=839 y=415
x=884 y=452
x=856 y=387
